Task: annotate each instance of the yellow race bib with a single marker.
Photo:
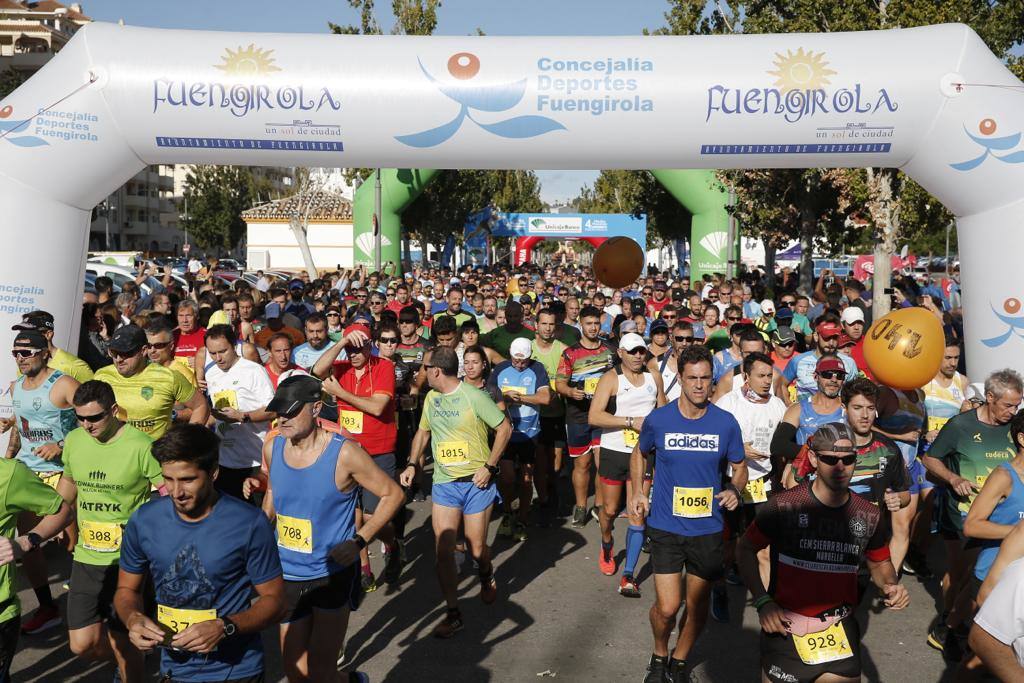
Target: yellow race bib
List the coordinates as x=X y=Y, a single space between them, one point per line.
x=225 y=399
x=295 y=534
x=630 y=437
x=756 y=491
x=936 y=423
x=692 y=503
x=352 y=420
x=520 y=390
x=177 y=619
x=590 y=385
x=50 y=478
x=824 y=646
x=450 y=453
x=103 y=537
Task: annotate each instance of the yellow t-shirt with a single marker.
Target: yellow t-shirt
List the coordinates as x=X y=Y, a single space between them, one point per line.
x=71 y=365
x=147 y=399
x=181 y=365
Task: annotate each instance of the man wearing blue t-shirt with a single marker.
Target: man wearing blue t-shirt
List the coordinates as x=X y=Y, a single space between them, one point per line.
x=801 y=368
x=206 y=554
x=525 y=385
x=691 y=440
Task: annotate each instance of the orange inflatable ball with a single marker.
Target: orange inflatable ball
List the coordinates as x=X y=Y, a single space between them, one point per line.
x=904 y=348
x=618 y=262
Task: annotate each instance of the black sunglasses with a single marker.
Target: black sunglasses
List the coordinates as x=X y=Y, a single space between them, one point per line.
x=735 y=320
x=159 y=345
x=684 y=339
x=833 y=460
x=91 y=418
x=123 y=354
x=786 y=344
x=832 y=374
x=388 y=340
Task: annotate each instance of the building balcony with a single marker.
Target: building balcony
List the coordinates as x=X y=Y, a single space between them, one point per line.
x=166 y=182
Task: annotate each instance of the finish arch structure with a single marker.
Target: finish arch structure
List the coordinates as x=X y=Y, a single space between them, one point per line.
x=932 y=101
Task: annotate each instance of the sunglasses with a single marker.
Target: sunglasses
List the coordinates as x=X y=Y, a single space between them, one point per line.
x=388 y=340
x=160 y=345
x=360 y=296
x=333 y=314
x=686 y=340
x=123 y=354
x=786 y=345
x=734 y=319
x=647 y=292
x=91 y=418
x=25 y=353
x=788 y=302
x=832 y=374
x=637 y=351
x=376 y=303
x=833 y=460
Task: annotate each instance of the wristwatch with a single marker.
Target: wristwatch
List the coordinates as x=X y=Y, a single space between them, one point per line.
x=359 y=541
x=493 y=469
x=229 y=627
x=34 y=540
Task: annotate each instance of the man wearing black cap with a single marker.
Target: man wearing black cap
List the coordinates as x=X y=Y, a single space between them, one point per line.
x=659 y=339
x=69 y=364
x=41 y=397
x=783 y=347
x=316 y=479
x=145 y=391
x=818 y=533
x=658 y=300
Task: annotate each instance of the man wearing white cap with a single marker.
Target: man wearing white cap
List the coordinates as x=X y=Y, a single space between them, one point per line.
x=852 y=319
x=766 y=321
x=525 y=385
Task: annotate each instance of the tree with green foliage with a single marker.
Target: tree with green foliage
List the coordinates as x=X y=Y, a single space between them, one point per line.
x=10 y=80
x=217 y=196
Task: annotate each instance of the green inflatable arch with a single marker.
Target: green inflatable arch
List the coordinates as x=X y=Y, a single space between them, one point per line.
x=699 y=192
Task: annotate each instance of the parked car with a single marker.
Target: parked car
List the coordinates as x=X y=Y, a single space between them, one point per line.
x=121 y=275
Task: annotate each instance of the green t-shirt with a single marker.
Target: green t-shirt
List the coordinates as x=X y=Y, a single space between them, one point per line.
x=459 y=318
x=500 y=339
x=458 y=424
x=972 y=449
x=20 y=490
x=113 y=481
x=801 y=324
x=549 y=359
x=718 y=341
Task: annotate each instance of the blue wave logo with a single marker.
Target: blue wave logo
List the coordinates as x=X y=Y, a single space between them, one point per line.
x=1014 y=322
x=464 y=66
x=13 y=126
x=987 y=127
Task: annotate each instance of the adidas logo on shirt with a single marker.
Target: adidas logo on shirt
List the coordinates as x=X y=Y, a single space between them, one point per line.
x=691 y=442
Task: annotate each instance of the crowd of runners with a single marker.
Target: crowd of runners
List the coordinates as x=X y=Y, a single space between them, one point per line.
x=223 y=460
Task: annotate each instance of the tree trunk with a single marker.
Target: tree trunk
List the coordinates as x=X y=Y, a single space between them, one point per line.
x=299 y=231
x=808 y=225
x=885 y=240
x=769 y=267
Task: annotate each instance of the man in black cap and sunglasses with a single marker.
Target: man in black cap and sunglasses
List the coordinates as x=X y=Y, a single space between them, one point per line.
x=43 y=323
x=147 y=392
x=818 y=533
x=41 y=397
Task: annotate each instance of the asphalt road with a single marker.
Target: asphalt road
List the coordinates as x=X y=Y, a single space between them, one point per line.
x=556 y=617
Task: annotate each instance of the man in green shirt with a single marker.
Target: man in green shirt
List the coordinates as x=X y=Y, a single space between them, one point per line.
x=108 y=471
x=548 y=351
x=454 y=309
x=500 y=338
x=456 y=418
x=21 y=491
x=964 y=453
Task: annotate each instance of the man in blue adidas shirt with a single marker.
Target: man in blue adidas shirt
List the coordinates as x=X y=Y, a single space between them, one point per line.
x=690 y=439
x=525 y=385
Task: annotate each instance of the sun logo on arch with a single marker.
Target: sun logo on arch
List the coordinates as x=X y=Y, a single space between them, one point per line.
x=247 y=61
x=801 y=70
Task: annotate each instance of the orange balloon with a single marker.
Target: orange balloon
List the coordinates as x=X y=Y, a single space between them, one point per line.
x=618 y=262
x=904 y=348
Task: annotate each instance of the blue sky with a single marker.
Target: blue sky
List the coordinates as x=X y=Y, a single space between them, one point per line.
x=455 y=17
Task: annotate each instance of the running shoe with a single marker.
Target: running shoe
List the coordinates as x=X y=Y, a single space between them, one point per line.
x=606 y=561
x=418 y=497
x=579 y=517
x=393 y=563
x=505 y=527
x=451 y=625
x=657 y=670
x=519 y=531
x=44 y=619
x=917 y=564
x=732 y=577
x=677 y=671
x=720 y=604
x=628 y=587
x=369 y=582
x=595 y=513
x=937 y=636
x=956 y=644
x=488 y=589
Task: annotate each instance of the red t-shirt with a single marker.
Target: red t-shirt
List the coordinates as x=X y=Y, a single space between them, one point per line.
x=654 y=307
x=292 y=369
x=397 y=306
x=856 y=352
x=375 y=434
x=186 y=345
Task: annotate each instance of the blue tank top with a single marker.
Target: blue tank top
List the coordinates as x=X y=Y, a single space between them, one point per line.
x=810 y=420
x=313 y=516
x=40 y=422
x=1009 y=511
x=909 y=416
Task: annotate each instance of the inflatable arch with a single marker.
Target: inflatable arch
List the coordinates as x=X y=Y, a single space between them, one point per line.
x=932 y=101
